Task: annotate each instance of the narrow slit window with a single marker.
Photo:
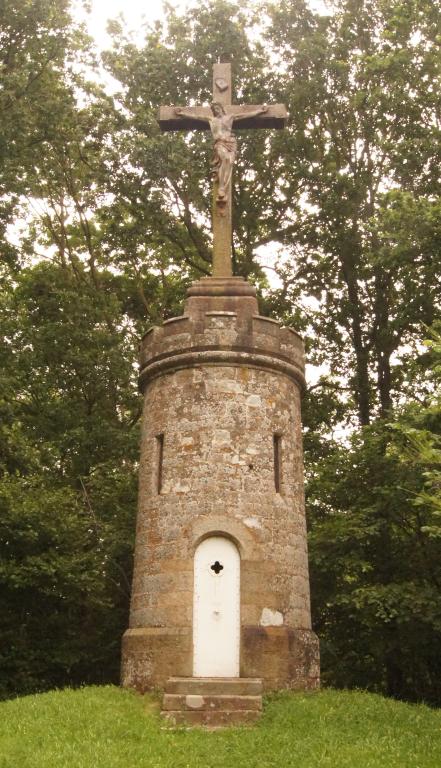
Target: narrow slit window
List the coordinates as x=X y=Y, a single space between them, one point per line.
x=277 y=444
x=160 y=456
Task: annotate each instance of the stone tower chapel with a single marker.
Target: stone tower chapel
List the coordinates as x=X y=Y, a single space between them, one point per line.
x=220 y=599
x=221 y=459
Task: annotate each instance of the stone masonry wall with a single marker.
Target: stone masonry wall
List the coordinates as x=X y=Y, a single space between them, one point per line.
x=220 y=383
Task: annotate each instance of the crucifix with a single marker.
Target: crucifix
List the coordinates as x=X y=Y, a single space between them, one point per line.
x=220 y=118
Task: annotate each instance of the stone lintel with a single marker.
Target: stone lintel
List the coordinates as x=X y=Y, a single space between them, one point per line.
x=220 y=313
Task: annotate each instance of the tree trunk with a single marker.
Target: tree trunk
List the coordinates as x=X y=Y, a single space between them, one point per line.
x=362 y=383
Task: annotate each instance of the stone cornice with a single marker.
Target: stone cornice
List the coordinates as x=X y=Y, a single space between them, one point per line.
x=221 y=325
x=194 y=357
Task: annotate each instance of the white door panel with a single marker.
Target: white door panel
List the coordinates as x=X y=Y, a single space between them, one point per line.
x=216 y=609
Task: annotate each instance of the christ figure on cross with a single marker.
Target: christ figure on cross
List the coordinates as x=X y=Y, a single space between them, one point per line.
x=220 y=119
x=225 y=142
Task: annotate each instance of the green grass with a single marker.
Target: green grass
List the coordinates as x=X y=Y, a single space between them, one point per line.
x=111 y=728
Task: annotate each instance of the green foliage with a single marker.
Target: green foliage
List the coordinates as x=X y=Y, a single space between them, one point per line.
x=376 y=571
x=56 y=601
x=68 y=481
x=418 y=445
x=37 y=44
x=118 y=728
x=363 y=151
x=376 y=555
x=171 y=206
x=350 y=191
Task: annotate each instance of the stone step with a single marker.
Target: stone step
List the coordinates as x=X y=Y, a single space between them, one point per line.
x=195 y=702
x=213 y=719
x=215 y=686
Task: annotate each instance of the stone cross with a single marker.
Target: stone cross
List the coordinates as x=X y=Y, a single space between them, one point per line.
x=220 y=118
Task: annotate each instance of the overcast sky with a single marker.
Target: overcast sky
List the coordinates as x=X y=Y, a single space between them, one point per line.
x=135 y=12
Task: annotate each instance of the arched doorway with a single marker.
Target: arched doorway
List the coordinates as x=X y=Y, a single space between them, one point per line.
x=216 y=609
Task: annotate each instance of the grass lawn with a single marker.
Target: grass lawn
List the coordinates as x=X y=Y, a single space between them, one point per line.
x=106 y=727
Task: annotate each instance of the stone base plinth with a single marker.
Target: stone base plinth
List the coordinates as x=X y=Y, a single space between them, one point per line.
x=281 y=656
x=150 y=655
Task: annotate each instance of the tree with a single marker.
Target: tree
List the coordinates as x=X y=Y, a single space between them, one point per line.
x=417 y=443
x=68 y=396
x=68 y=481
x=37 y=43
x=362 y=87
x=335 y=191
x=162 y=194
x=375 y=571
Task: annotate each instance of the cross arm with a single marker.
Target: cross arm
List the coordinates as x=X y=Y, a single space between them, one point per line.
x=191 y=119
x=250 y=116
x=247 y=116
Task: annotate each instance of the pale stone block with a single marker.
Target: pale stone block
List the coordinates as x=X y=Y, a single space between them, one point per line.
x=180 y=487
x=194 y=702
x=252 y=522
x=221 y=437
x=270 y=618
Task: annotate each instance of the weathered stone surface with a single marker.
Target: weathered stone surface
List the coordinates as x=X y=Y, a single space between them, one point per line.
x=285 y=657
x=221 y=328
x=214 y=702
x=174 y=702
x=213 y=718
x=275 y=117
x=219 y=383
x=214 y=686
x=147 y=653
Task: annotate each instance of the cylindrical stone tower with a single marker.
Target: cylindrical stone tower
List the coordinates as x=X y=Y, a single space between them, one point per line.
x=221 y=459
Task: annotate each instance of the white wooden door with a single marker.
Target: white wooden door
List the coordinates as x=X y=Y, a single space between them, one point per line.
x=216 y=609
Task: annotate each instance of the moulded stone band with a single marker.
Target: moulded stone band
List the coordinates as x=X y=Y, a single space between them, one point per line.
x=220 y=357
x=222 y=286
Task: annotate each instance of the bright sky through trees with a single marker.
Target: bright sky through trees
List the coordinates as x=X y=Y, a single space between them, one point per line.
x=135 y=12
